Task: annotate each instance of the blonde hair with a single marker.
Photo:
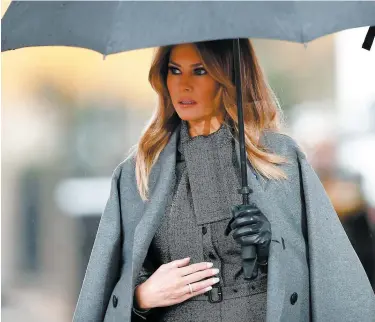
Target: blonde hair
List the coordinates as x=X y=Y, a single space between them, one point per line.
x=261 y=109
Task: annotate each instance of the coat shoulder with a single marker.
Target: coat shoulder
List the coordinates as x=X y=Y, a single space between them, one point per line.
x=281 y=144
x=126 y=168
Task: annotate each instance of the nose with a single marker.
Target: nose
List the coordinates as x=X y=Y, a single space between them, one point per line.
x=186 y=84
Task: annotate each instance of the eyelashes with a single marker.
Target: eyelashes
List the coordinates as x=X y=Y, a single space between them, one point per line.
x=200 y=71
x=173 y=70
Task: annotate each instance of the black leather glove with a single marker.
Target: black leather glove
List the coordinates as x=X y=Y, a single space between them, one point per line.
x=251 y=227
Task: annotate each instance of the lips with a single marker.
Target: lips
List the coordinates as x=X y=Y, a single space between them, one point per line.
x=187 y=101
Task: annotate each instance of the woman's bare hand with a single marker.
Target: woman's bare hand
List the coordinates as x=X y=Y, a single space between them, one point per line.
x=168 y=285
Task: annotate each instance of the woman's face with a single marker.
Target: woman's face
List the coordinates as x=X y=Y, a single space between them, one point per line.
x=191 y=88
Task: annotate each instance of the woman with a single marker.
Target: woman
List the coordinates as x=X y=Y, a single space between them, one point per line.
x=172 y=199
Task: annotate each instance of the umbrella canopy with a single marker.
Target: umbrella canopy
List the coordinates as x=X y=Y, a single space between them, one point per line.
x=113 y=26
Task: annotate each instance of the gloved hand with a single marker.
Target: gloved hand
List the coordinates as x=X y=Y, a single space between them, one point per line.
x=251 y=227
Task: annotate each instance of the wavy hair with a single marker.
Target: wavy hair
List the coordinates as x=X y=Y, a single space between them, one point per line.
x=260 y=106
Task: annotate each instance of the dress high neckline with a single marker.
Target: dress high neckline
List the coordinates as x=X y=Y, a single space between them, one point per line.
x=222 y=133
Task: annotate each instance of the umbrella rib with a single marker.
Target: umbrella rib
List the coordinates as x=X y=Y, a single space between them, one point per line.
x=110 y=32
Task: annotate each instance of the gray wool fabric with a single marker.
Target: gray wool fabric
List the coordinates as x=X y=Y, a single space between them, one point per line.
x=197 y=213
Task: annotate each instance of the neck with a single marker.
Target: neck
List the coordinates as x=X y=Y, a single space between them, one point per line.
x=206 y=126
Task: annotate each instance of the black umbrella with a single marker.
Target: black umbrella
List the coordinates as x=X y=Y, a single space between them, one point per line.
x=114 y=26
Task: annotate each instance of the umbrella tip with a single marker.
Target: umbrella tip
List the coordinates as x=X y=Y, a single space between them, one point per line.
x=369 y=39
x=104 y=57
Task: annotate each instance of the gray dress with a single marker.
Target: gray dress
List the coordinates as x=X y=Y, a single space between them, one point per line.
x=198 y=210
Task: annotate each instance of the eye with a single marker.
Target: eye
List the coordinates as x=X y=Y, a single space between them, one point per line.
x=174 y=70
x=200 y=71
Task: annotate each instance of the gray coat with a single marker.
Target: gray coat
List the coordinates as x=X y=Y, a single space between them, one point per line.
x=336 y=285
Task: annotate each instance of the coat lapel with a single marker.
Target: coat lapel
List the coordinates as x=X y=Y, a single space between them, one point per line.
x=162 y=179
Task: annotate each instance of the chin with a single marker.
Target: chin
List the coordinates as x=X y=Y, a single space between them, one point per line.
x=190 y=118
x=189 y=115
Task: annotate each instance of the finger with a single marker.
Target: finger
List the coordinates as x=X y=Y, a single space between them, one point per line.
x=188 y=295
x=240 y=208
x=248 y=240
x=193 y=268
x=246 y=221
x=242 y=220
x=198 y=288
x=199 y=276
x=243 y=210
x=246 y=231
x=179 y=262
x=261 y=239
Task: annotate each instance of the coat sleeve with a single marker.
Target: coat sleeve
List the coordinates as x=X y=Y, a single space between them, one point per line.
x=146 y=271
x=340 y=289
x=103 y=269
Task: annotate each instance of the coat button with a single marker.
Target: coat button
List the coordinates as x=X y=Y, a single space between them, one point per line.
x=114 y=300
x=211 y=255
x=293 y=298
x=204 y=230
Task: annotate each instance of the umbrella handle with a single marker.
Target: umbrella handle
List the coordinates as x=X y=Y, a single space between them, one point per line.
x=248 y=254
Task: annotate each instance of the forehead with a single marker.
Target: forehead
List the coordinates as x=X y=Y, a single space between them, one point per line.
x=185 y=53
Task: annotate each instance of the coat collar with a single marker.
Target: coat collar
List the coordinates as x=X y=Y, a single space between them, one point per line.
x=162 y=179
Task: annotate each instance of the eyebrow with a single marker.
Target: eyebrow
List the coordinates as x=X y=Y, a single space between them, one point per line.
x=192 y=65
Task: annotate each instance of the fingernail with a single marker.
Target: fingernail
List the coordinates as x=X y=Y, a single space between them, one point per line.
x=210 y=265
x=215 y=280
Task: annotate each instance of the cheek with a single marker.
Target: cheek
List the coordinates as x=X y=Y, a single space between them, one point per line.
x=170 y=86
x=209 y=90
